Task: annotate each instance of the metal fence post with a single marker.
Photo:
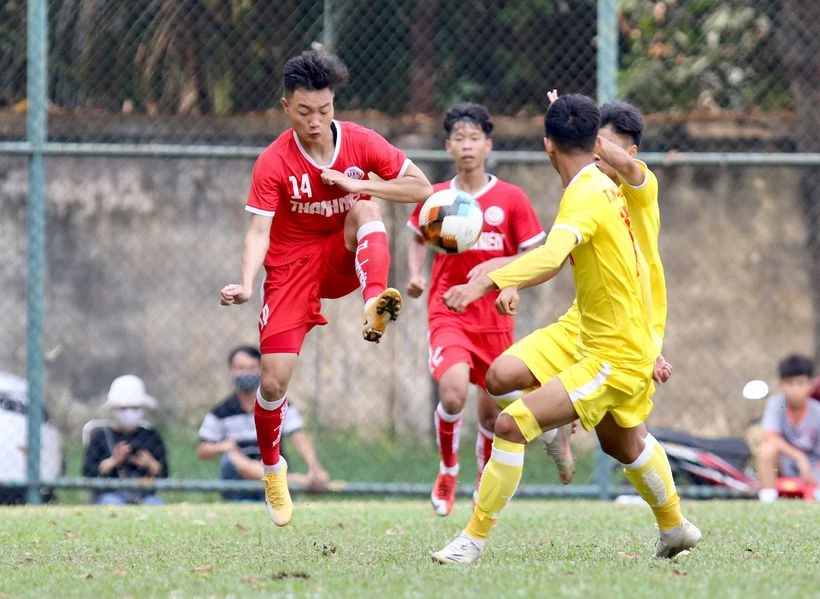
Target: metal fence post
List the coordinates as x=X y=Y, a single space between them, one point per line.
x=36 y=129
x=607 y=51
x=606 y=75
x=327 y=25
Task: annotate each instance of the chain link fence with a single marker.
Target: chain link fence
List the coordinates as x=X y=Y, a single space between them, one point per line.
x=138 y=247
x=711 y=75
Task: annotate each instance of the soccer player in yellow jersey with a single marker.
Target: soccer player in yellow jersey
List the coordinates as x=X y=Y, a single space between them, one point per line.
x=542 y=354
x=608 y=385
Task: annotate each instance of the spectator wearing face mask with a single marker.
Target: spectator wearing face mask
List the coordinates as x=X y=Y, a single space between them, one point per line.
x=228 y=431
x=128 y=447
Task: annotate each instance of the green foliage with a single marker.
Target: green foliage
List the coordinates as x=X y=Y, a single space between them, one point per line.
x=381 y=549
x=12 y=52
x=225 y=57
x=705 y=54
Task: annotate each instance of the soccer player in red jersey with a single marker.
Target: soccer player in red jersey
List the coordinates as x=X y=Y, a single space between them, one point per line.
x=462 y=346
x=318 y=236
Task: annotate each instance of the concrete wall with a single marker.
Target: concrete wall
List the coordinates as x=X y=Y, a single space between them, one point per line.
x=139 y=248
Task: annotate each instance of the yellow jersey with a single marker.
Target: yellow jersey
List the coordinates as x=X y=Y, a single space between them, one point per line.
x=609 y=290
x=642 y=202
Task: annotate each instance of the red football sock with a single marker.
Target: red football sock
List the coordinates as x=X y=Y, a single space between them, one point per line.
x=372 y=258
x=448 y=432
x=483 y=448
x=268 y=417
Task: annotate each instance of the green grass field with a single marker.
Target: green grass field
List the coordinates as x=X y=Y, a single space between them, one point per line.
x=374 y=548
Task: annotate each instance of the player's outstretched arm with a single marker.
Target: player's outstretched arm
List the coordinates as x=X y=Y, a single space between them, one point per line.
x=539 y=265
x=253 y=255
x=416 y=255
x=619 y=159
x=458 y=297
x=412 y=187
x=492 y=264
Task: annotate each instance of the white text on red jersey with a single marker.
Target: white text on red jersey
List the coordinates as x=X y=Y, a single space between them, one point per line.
x=325 y=207
x=490 y=241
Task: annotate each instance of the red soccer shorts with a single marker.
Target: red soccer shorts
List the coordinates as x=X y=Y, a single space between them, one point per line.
x=292 y=292
x=451 y=344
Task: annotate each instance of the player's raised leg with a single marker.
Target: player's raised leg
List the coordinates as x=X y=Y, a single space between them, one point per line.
x=521 y=422
x=269 y=414
x=524 y=365
x=366 y=235
x=452 y=388
x=647 y=469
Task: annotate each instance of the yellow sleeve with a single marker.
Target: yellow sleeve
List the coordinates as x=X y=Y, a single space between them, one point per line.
x=539 y=261
x=645 y=284
x=580 y=211
x=659 y=307
x=644 y=194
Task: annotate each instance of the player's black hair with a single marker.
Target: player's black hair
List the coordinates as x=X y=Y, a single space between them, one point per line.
x=314 y=70
x=467 y=111
x=624 y=119
x=252 y=351
x=572 y=123
x=796 y=365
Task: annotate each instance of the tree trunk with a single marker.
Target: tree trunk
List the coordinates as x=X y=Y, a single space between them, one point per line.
x=193 y=27
x=423 y=52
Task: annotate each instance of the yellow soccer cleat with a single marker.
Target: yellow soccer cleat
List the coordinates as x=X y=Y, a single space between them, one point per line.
x=277 y=496
x=382 y=310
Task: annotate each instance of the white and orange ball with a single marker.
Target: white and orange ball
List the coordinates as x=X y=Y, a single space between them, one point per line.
x=451 y=221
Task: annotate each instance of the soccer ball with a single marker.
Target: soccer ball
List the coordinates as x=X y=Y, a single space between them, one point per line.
x=451 y=221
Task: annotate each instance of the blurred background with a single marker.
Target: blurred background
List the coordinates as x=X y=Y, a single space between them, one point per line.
x=143 y=119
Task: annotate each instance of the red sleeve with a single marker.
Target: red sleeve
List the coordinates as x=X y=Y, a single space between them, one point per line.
x=383 y=158
x=263 y=197
x=413 y=219
x=527 y=230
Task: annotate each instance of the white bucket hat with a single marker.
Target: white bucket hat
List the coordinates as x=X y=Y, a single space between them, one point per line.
x=128 y=391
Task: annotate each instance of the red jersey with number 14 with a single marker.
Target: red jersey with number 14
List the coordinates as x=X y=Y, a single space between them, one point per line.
x=510 y=226
x=287 y=186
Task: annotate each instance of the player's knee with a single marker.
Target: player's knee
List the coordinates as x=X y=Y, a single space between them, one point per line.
x=507 y=428
x=487 y=421
x=453 y=397
x=498 y=382
x=272 y=387
x=366 y=211
x=624 y=451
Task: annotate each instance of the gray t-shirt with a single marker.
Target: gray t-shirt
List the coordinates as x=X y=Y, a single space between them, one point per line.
x=804 y=435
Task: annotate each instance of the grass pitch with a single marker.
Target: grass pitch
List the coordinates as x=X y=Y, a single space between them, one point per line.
x=380 y=548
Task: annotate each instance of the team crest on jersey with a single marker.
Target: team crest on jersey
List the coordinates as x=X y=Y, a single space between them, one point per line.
x=494 y=216
x=354 y=172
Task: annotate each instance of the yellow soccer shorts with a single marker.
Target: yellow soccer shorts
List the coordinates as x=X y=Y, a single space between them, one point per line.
x=596 y=387
x=547 y=351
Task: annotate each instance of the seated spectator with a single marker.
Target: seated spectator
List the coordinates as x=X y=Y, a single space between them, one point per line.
x=127 y=448
x=791 y=428
x=228 y=431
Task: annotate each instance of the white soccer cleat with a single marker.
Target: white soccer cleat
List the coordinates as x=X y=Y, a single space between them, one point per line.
x=559 y=450
x=680 y=544
x=461 y=550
